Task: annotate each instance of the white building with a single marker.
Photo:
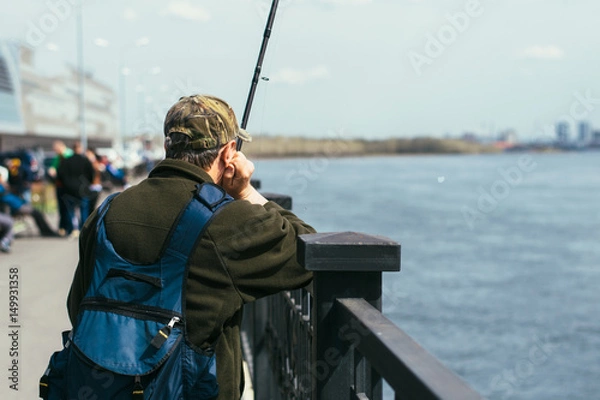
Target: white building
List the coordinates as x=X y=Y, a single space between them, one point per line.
x=11 y=116
x=36 y=109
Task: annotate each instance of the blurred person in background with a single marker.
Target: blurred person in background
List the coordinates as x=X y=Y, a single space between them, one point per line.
x=21 y=175
x=112 y=175
x=17 y=206
x=62 y=153
x=75 y=174
x=96 y=185
x=148 y=159
x=6 y=232
x=6 y=221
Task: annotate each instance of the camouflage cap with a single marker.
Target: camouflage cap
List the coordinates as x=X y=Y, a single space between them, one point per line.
x=203 y=119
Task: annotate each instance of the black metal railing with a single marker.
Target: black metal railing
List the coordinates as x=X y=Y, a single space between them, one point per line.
x=331 y=341
x=277 y=338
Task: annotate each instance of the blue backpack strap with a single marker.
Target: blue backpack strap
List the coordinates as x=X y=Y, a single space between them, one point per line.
x=205 y=202
x=212 y=195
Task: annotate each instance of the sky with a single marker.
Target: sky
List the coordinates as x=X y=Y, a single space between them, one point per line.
x=370 y=69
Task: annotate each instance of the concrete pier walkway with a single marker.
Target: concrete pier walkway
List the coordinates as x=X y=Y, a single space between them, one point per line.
x=38 y=271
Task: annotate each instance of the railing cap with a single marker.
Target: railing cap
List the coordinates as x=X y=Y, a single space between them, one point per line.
x=348 y=251
x=283 y=200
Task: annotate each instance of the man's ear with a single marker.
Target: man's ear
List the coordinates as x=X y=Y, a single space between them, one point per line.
x=228 y=152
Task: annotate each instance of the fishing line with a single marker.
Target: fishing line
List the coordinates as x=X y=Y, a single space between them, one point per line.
x=276 y=31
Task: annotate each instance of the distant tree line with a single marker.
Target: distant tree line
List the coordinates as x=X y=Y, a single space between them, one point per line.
x=279 y=146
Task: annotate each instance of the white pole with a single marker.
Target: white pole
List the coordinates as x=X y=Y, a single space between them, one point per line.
x=82 y=133
x=123 y=104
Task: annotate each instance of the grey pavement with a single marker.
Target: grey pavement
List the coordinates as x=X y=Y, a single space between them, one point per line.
x=45 y=270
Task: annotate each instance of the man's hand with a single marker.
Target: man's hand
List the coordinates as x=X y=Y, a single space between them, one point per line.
x=236 y=180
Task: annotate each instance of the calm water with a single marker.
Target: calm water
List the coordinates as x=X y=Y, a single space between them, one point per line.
x=500 y=259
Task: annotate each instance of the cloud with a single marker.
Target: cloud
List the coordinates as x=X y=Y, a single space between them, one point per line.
x=544 y=52
x=187 y=10
x=293 y=76
x=129 y=14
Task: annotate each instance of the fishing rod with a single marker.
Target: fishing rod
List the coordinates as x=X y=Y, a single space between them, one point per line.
x=256 y=77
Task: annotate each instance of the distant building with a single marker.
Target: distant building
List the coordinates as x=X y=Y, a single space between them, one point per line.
x=562 y=132
x=36 y=109
x=506 y=139
x=509 y=136
x=469 y=137
x=11 y=116
x=585 y=133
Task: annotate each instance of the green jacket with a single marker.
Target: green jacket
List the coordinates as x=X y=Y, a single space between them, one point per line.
x=248 y=251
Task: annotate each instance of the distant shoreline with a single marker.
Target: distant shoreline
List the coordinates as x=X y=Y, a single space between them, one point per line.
x=274 y=147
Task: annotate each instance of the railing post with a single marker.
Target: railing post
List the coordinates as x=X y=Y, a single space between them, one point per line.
x=345 y=265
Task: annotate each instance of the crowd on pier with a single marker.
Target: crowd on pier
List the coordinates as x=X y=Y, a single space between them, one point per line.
x=35 y=186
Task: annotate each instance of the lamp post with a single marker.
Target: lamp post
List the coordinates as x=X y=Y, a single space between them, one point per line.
x=123 y=72
x=82 y=132
x=144 y=97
